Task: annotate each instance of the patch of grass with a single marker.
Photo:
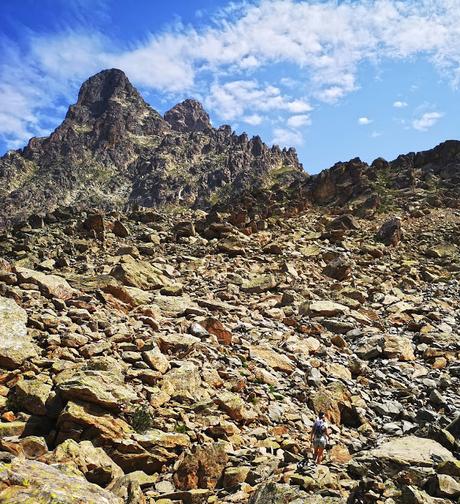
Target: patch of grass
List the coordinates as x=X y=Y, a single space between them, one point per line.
x=82 y=128
x=181 y=428
x=142 y=419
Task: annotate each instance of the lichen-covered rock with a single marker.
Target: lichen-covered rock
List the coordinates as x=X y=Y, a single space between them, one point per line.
x=273 y=493
x=140 y=274
x=260 y=283
x=32 y=395
x=201 y=468
x=93 y=462
x=103 y=388
x=235 y=407
x=23 y=481
x=81 y=417
x=51 y=285
x=15 y=344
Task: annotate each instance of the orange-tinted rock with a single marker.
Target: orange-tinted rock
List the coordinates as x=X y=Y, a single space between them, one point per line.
x=202 y=467
x=216 y=327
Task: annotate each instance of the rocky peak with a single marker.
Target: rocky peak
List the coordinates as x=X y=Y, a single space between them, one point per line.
x=99 y=90
x=188 y=116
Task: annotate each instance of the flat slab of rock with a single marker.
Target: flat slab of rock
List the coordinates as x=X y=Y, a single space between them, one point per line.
x=272 y=358
x=260 y=283
x=103 y=388
x=323 y=309
x=32 y=481
x=15 y=344
x=412 y=450
x=140 y=274
x=51 y=285
x=88 y=417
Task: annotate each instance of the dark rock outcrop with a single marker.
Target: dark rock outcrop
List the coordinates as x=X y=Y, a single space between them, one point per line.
x=188 y=116
x=113 y=151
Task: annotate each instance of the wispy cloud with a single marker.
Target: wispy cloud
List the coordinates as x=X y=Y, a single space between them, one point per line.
x=287 y=137
x=253 y=120
x=426 y=121
x=400 y=104
x=297 y=121
x=323 y=42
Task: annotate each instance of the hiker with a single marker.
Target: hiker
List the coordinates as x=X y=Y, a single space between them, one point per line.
x=319 y=437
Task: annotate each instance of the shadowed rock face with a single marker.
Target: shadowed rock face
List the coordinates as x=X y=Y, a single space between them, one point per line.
x=113 y=150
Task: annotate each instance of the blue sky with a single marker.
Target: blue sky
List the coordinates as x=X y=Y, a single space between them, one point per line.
x=335 y=79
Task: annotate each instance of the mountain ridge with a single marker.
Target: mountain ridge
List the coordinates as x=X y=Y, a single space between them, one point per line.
x=113 y=151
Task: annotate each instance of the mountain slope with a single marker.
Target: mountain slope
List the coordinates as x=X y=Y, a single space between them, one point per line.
x=113 y=150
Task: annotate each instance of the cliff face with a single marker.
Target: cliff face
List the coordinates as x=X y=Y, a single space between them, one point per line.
x=113 y=150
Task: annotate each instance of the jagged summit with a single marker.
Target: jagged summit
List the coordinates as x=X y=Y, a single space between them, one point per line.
x=109 y=101
x=188 y=116
x=114 y=150
x=97 y=92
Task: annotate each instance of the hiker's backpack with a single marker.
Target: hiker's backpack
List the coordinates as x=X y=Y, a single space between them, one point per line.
x=319 y=428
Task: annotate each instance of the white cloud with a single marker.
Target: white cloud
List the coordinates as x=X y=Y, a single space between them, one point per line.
x=376 y=134
x=287 y=137
x=322 y=43
x=364 y=121
x=232 y=99
x=253 y=120
x=400 y=104
x=297 y=121
x=426 y=121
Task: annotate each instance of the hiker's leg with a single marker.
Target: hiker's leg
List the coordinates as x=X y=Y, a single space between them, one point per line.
x=320 y=454
x=317 y=449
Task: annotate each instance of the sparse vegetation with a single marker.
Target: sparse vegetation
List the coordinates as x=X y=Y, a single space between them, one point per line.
x=142 y=419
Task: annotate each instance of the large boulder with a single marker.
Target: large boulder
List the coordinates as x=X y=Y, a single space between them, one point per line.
x=323 y=309
x=235 y=407
x=202 y=467
x=390 y=233
x=274 y=493
x=15 y=344
x=259 y=283
x=332 y=400
x=104 y=388
x=412 y=450
x=23 y=481
x=82 y=418
x=32 y=395
x=272 y=358
x=140 y=274
x=338 y=269
x=184 y=383
x=398 y=347
x=401 y=458
x=93 y=462
x=50 y=285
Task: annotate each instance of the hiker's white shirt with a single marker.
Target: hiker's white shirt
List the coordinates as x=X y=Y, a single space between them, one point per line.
x=319 y=439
